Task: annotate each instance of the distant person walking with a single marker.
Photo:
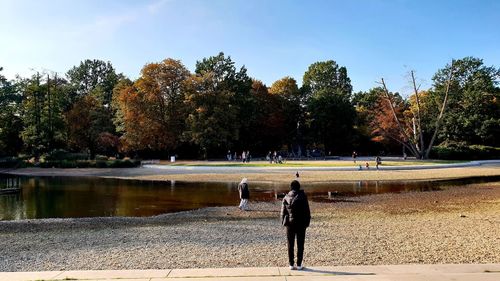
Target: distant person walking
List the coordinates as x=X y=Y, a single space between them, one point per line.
x=243 y=157
x=354 y=156
x=378 y=161
x=295 y=216
x=244 y=194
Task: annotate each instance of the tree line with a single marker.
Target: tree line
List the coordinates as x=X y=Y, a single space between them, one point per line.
x=170 y=111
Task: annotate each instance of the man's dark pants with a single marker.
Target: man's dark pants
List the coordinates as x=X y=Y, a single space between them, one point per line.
x=291 y=232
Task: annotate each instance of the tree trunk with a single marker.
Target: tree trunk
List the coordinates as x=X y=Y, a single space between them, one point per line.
x=441 y=113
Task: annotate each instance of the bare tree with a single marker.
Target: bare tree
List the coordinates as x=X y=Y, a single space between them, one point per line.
x=441 y=113
x=416 y=144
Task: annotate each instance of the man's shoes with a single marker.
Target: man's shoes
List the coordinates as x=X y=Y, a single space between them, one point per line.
x=292 y=267
x=300 y=267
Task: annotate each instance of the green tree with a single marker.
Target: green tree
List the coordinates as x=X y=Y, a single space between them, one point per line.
x=290 y=104
x=44 y=101
x=94 y=78
x=473 y=114
x=330 y=113
x=367 y=105
x=10 y=121
x=116 y=105
x=269 y=131
x=211 y=123
x=223 y=110
x=92 y=74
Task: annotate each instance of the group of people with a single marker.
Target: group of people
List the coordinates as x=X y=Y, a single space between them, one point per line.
x=378 y=161
x=245 y=156
x=274 y=157
x=295 y=217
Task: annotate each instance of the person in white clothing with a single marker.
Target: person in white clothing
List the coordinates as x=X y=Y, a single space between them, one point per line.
x=244 y=194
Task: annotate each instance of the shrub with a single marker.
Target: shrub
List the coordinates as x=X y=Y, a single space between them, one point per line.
x=85 y=164
x=56 y=154
x=61 y=154
x=68 y=164
x=49 y=164
x=460 y=151
x=10 y=162
x=88 y=164
x=101 y=164
x=123 y=164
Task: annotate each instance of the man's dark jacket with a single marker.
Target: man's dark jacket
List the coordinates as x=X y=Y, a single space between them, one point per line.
x=296 y=207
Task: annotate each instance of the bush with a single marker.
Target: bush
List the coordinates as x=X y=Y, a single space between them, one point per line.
x=88 y=164
x=85 y=164
x=101 y=164
x=101 y=158
x=123 y=163
x=461 y=151
x=10 y=162
x=49 y=164
x=61 y=154
x=68 y=164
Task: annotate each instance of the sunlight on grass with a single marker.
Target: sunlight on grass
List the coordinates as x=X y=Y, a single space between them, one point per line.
x=310 y=163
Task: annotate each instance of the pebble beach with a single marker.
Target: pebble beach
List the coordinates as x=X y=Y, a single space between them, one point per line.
x=456 y=225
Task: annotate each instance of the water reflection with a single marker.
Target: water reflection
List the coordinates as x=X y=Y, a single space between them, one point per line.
x=69 y=197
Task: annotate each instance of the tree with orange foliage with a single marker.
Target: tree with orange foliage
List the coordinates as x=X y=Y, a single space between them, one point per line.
x=289 y=98
x=409 y=122
x=87 y=124
x=384 y=126
x=152 y=109
x=269 y=130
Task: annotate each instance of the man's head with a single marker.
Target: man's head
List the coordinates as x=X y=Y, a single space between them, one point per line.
x=295 y=185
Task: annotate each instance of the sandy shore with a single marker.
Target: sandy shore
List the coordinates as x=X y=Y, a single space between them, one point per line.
x=457 y=225
x=267 y=175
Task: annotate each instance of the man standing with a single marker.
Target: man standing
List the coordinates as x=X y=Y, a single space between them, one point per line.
x=296 y=216
x=244 y=194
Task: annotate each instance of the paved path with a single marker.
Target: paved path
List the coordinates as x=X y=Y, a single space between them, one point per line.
x=350 y=167
x=153 y=169
x=458 y=272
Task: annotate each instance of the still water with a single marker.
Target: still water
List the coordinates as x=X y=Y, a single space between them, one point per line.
x=72 y=197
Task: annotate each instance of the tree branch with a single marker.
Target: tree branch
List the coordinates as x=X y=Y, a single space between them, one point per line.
x=421 y=135
x=401 y=129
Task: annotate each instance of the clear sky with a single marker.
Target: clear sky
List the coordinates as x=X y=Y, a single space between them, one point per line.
x=273 y=39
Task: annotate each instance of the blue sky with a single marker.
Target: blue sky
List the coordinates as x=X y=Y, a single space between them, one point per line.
x=273 y=39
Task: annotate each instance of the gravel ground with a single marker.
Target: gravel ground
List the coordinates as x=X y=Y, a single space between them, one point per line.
x=457 y=225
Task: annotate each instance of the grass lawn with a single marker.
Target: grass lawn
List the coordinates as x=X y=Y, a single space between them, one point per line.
x=320 y=163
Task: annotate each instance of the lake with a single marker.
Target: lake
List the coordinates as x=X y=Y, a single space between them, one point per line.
x=73 y=197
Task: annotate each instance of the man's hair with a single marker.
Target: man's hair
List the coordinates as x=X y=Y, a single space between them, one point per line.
x=295 y=185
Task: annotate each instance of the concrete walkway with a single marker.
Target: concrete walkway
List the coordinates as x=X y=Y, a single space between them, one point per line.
x=458 y=272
